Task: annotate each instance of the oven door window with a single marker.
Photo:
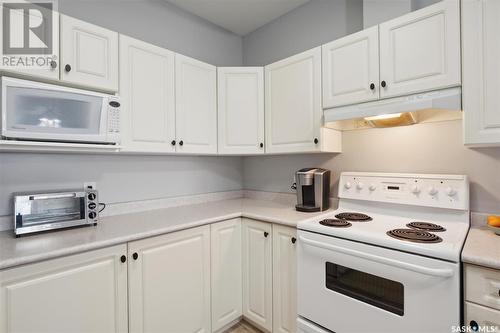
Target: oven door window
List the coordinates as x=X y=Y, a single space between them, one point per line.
x=371 y=289
x=37 y=212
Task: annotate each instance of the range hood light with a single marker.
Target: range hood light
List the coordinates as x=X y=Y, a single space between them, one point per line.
x=392 y=119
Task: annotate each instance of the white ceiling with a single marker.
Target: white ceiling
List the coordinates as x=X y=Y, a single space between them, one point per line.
x=239 y=16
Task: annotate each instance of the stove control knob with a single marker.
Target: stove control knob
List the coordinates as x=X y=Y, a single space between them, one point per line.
x=450 y=191
x=347 y=185
x=360 y=186
x=372 y=187
x=432 y=190
x=415 y=189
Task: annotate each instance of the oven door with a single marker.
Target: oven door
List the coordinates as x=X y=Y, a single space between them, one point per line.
x=46 y=112
x=347 y=286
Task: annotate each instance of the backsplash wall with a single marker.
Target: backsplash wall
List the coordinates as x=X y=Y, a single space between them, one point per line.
x=423 y=148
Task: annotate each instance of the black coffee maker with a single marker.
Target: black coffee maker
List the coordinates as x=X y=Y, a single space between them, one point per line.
x=313 y=189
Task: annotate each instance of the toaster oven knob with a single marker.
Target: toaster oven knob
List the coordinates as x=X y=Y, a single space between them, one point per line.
x=92 y=215
x=91 y=196
x=92 y=205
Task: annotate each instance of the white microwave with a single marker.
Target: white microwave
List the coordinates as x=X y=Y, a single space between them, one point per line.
x=45 y=112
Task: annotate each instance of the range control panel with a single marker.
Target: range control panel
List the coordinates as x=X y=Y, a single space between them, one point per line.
x=441 y=191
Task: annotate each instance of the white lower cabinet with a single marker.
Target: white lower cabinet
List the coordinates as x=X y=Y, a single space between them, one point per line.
x=257 y=273
x=169 y=282
x=284 y=279
x=482 y=317
x=226 y=273
x=86 y=292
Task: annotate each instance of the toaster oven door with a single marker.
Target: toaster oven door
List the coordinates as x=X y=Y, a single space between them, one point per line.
x=40 y=212
x=45 y=112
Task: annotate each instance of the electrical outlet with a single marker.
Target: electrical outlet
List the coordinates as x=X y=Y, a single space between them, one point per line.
x=90 y=185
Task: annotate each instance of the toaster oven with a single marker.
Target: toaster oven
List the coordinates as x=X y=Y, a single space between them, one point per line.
x=36 y=212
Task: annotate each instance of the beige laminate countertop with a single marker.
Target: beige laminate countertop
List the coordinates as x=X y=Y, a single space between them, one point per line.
x=482 y=247
x=124 y=228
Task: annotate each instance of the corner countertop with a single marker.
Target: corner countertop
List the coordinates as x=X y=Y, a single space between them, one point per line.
x=482 y=248
x=124 y=228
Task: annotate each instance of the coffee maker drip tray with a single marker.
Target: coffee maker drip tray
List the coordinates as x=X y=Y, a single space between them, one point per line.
x=308 y=209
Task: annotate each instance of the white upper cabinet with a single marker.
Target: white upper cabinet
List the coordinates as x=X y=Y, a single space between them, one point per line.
x=420 y=51
x=294 y=115
x=226 y=273
x=50 y=70
x=169 y=282
x=89 y=54
x=351 y=69
x=86 y=292
x=481 y=69
x=196 y=106
x=147 y=87
x=240 y=105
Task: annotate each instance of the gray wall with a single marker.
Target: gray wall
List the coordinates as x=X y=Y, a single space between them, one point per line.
x=127 y=178
x=162 y=24
x=423 y=148
x=313 y=24
x=119 y=178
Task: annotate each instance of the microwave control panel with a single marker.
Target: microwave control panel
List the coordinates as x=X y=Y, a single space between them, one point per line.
x=114 y=120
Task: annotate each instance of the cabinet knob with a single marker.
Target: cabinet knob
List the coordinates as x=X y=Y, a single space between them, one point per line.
x=173 y=142
x=123 y=258
x=294 y=240
x=266 y=234
x=135 y=255
x=261 y=145
x=67 y=68
x=53 y=64
x=474 y=325
x=181 y=143
x=372 y=86
x=383 y=84
x=316 y=141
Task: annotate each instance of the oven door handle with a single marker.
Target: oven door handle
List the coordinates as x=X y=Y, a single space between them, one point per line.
x=53 y=196
x=445 y=273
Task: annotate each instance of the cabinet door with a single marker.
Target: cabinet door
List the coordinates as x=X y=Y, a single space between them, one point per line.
x=257 y=273
x=350 y=69
x=89 y=54
x=481 y=68
x=147 y=88
x=50 y=68
x=226 y=272
x=293 y=103
x=420 y=51
x=80 y=293
x=240 y=110
x=483 y=317
x=169 y=282
x=196 y=106
x=284 y=279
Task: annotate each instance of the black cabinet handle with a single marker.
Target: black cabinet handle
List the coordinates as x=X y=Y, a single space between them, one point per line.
x=294 y=240
x=316 y=141
x=261 y=145
x=372 y=86
x=383 y=84
x=266 y=234
x=181 y=143
x=53 y=64
x=173 y=142
x=135 y=255
x=474 y=325
x=67 y=68
x=123 y=258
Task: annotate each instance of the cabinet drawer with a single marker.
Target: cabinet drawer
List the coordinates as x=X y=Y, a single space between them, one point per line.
x=482 y=286
x=483 y=317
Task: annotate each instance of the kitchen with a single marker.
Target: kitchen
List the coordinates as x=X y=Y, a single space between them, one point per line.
x=209 y=189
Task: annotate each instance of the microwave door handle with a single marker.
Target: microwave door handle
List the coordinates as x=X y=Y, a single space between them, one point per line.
x=55 y=196
x=444 y=273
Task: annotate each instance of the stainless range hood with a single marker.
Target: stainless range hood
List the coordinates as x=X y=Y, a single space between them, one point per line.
x=446 y=99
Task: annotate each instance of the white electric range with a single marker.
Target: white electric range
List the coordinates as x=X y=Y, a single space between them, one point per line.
x=388 y=259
